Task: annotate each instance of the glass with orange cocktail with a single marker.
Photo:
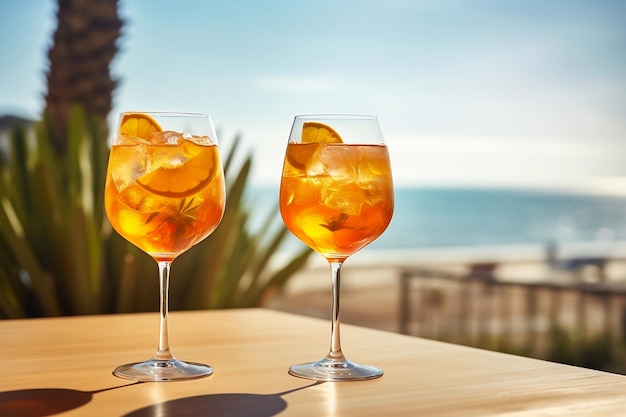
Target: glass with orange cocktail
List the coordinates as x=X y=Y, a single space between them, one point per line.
x=164 y=193
x=336 y=196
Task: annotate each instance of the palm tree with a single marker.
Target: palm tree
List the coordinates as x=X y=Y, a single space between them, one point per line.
x=85 y=43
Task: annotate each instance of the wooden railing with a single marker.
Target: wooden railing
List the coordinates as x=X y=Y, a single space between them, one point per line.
x=477 y=309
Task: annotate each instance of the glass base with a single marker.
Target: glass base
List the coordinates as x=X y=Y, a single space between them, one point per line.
x=329 y=370
x=163 y=370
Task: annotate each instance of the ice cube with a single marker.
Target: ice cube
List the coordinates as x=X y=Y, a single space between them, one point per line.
x=136 y=198
x=168 y=156
x=125 y=139
x=340 y=163
x=167 y=137
x=127 y=163
x=375 y=175
x=200 y=139
x=378 y=194
x=347 y=199
x=315 y=168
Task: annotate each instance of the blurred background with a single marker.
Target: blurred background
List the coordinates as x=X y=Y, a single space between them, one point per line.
x=504 y=121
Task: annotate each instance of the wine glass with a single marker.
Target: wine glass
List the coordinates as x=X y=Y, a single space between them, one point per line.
x=336 y=196
x=164 y=193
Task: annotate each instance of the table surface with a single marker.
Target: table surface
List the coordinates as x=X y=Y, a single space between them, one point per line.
x=62 y=366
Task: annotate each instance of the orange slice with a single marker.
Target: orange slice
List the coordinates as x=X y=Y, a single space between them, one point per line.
x=182 y=180
x=299 y=154
x=313 y=133
x=319 y=133
x=139 y=125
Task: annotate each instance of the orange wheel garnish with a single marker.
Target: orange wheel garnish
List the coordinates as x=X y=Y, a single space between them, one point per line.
x=312 y=133
x=299 y=154
x=319 y=133
x=139 y=125
x=183 y=180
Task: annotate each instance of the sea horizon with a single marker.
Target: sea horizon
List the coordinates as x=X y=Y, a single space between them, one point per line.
x=480 y=220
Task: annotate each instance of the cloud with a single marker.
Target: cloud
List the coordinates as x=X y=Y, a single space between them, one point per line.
x=467 y=160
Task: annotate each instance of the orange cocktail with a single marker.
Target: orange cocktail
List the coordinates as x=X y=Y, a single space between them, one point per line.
x=162 y=196
x=164 y=193
x=335 y=197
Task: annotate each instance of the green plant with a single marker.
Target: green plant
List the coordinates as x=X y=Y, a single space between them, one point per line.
x=59 y=255
x=598 y=351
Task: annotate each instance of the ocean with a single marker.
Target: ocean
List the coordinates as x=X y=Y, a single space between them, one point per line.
x=448 y=218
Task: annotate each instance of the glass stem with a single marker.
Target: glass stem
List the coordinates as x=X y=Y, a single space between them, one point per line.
x=163 y=351
x=335 y=353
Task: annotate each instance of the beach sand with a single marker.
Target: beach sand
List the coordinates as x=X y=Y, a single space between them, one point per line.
x=369 y=295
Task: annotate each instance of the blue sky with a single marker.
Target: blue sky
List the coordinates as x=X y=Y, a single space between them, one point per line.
x=468 y=92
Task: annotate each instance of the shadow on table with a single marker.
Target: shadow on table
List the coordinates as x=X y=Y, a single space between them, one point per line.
x=220 y=405
x=40 y=402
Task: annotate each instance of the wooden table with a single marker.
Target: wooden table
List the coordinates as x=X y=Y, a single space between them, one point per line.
x=62 y=366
